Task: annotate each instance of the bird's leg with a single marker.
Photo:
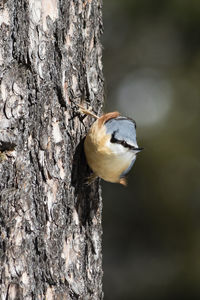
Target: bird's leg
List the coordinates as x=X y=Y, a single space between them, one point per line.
x=85 y=111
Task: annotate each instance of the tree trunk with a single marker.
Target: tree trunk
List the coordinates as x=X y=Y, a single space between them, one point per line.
x=50 y=219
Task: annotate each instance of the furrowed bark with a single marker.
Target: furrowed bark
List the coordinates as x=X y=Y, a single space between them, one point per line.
x=50 y=220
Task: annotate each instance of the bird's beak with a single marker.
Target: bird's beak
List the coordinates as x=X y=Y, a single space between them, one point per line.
x=137 y=150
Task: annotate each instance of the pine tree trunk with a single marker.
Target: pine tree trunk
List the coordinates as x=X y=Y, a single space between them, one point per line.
x=50 y=220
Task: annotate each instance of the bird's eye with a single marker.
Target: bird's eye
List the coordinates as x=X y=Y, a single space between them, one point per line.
x=116 y=141
x=113 y=139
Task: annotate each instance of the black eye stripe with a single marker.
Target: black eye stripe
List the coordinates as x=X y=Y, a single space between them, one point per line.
x=123 y=143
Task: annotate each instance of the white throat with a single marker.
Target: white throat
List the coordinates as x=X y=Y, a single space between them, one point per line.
x=122 y=153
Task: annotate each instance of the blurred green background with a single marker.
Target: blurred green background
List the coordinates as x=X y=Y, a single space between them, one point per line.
x=151 y=241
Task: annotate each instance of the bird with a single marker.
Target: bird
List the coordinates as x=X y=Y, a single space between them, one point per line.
x=110 y=146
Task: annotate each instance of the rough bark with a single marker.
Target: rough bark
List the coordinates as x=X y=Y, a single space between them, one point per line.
x=50 y=220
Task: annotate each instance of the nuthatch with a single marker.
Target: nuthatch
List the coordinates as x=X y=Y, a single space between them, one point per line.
x=110 y=146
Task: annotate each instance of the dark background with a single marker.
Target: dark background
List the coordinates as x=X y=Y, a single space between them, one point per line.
x=151 y=241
